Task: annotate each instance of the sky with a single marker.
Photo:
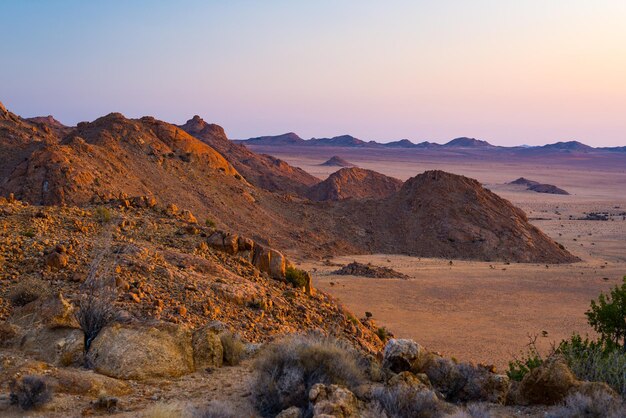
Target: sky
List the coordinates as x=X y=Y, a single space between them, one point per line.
x=510 y=72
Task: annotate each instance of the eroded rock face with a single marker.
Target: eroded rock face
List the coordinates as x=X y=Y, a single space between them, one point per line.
x=265 y=259
x=333 y=401
x=549 y=383
x=402 y=355
x=207 y=348
x=58 y=346
x=142 y=352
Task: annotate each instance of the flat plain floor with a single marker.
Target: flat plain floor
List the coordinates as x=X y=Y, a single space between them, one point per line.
x=481 y=311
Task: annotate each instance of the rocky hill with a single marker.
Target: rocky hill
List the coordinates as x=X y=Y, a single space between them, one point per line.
x=337 y=161
x=438 y=214
x=261 y=170
x=354 y=183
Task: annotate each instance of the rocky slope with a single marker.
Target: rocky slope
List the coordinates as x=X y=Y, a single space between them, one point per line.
x=354 y=183
x=164 y=266
x=535 y=186
x=261 y=170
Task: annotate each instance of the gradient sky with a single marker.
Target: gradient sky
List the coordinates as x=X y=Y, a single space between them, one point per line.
x=510 y=72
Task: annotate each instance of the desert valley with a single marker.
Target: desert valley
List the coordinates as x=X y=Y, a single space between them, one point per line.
x=153 y=254
x=328 y=209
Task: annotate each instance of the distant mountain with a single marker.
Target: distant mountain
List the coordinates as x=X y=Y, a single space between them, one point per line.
x=289 y=138
x=524 y=182
x=337 y=161
x=613 y=149
x=568 y=146
x=403 y=143
x=337 y=141
x=465 y=142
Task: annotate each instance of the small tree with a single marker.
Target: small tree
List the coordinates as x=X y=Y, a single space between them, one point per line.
x=608 y=315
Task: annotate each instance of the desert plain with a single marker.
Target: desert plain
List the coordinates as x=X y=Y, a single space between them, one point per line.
x=488 y=311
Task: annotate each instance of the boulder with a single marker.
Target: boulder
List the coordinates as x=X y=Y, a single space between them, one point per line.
x=52 y=312
x=293 y=412
x=402 y=355
x=57 y=260
x=549 y=383
x=86 y=382
x=207 y=348
x=419 y=381
x=333 y=400
x=444 y=375
x=59 y=346
x=482 y=385
x=224 y=242
x=141 y=352
x=270 y=261
x=8 y=334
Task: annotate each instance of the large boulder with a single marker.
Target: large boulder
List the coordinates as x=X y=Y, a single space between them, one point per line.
x=229 y=243
x=270 y=261
x=208 y=351
x=549 y=383
x=402 y=355
x=333 y=401
x=48 y=330
x=142 y=351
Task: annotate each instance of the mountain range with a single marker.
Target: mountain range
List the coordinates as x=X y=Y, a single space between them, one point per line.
x=292 y=139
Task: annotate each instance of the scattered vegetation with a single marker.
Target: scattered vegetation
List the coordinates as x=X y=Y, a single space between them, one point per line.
x=30 y=392
x=233 y=348
x=287 y=369
x=28 y=290
x=102 y=214
x=29 y=233
x=298 y=278
x=210 y=223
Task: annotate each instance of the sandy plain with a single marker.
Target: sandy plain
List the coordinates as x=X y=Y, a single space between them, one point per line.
x=481 y=311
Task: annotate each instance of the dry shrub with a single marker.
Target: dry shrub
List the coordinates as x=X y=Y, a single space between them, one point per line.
x=30 y=392
x=164 y=410
x=96 y=309
x=597 y=404
x=28 y=290
x=407 y=402
x=287 y=369
x=233 y=348
x=215 y=409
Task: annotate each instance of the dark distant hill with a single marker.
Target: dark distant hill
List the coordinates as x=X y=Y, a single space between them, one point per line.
x=568 y=146
x=337 y=141
x=289 y=138
x=535 y=186
x=337 y=161
x=465 y=142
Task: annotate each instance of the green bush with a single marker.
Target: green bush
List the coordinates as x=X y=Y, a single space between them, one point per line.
x=528 y=361
x=298 y=278
x=608 y=315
